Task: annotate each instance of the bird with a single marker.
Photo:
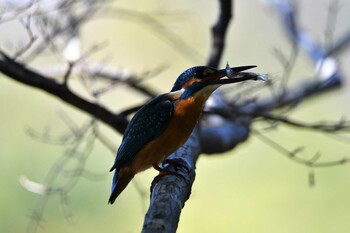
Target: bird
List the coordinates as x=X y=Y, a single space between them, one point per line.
x=165 y=123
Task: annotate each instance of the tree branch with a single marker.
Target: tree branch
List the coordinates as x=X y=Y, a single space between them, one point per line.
x=328 y=127
x=22 y=74
x=219 y=32
x=224 y=137
x=169 y=193
x=293 y=96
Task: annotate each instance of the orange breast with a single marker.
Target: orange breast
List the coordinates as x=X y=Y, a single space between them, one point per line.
x=184 y=119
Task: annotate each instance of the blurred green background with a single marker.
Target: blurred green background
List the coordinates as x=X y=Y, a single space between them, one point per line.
x=251 y=189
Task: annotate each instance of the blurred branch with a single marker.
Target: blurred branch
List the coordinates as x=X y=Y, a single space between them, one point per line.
x=329 y=127
x=59 y=172
x=61 y=22
x=132 y=80
x=287 y=10
x=293 y=154
x=20 y=73
x=332 y=14
x=219 y=32
x=67 y=170
x=96 y=71
x=26 y=22
x=339 y=46
x=223 y=137
x=292 y=96
x=187 y=51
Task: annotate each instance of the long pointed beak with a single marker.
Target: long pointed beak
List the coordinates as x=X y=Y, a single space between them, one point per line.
x=238 y=69
x=234 y=75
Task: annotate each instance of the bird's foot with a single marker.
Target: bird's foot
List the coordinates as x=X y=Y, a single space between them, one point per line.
x=177 y=164
x=174 y=167
x=165 y=169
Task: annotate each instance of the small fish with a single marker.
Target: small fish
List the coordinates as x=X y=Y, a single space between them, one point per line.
x=229 y=71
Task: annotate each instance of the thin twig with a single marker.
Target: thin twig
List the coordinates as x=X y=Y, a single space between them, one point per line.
x=333 y=8
x=26 y=24
x=293 y=155
x=329 y=127
x=187 y=51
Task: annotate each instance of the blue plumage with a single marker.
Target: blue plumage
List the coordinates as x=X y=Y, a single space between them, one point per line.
x=147 y=124
x=164 y=124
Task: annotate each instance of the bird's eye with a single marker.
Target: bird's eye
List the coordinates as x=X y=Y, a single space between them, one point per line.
x=207 y=72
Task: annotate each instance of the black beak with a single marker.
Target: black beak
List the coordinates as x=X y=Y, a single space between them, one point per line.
x=239 y=69
x=234 y=75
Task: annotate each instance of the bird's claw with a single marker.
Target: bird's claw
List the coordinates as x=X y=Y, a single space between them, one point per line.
x=164 y=170
x=176 y=164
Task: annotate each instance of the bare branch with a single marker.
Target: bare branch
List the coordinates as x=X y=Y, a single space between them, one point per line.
x=333 y=8
x=187 y=51
x=339 y=46
x=292 y=155
x=68 y=72
x=20 y=73
x=114 y=77
x=219 y=32
x=170 y=192
x=26 y=23
x=224 y=137
x=329 y=127
x=293 y=96
x=104 y=140
x=62 y=170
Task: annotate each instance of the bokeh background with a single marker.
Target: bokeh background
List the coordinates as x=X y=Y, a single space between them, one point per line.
x=250 y=189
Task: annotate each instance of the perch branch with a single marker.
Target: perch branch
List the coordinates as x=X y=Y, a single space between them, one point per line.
x=169 y=193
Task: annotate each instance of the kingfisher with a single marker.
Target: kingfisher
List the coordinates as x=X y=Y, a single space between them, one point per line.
x=165 y=123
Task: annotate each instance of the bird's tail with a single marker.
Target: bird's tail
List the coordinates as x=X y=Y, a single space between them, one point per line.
x=121 y=179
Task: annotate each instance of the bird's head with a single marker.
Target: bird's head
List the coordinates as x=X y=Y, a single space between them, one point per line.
x=207 y=79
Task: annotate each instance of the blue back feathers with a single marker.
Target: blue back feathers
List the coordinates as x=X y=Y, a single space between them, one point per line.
x=147 y=124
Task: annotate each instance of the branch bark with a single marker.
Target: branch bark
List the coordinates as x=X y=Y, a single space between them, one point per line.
x=169 y=193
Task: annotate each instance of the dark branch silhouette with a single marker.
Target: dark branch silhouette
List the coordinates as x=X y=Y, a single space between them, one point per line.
x=26 y=76
x=219 y=32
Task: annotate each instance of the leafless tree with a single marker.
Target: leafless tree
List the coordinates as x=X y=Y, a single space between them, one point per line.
x=226 y=122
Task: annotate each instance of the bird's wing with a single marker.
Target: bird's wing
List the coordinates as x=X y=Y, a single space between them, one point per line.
x=146 y=125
